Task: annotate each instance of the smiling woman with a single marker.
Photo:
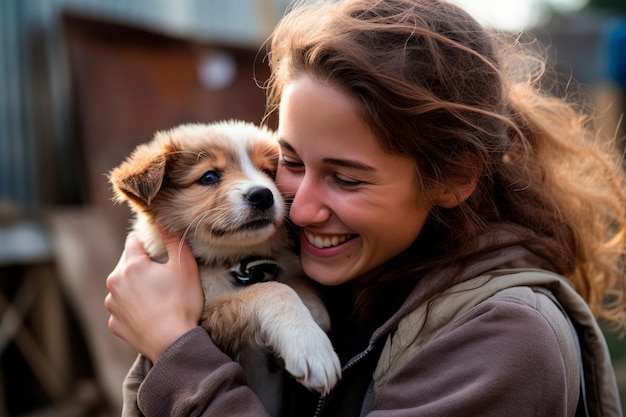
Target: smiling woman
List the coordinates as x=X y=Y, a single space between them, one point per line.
x=462 y=226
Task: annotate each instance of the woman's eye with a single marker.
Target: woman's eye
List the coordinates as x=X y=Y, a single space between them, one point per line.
x=346 y=182
x=210 y=178
x=290 y=163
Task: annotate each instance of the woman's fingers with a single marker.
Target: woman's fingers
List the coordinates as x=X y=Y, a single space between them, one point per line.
x=151 y=303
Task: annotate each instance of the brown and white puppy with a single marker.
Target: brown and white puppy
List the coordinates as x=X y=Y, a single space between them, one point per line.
x=213 y=184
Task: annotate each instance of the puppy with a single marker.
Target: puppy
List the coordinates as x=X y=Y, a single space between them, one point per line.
x=213 y=184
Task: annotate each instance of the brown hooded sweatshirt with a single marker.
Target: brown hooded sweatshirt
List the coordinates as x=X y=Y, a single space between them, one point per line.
x=497 y=344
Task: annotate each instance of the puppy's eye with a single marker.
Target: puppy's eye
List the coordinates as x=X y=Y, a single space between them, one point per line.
x=210 y=178
x=270 y=173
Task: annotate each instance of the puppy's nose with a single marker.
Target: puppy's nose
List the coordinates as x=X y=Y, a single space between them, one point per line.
x=261 y=198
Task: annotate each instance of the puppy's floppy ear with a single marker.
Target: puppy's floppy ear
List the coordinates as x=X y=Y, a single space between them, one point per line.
x=140 y=177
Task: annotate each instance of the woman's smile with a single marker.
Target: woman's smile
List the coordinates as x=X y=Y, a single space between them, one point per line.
x=321 y=241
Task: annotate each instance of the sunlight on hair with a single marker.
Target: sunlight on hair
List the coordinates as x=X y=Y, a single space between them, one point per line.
x=516 y=15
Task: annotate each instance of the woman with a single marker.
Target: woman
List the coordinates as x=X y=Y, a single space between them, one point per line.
x=468 y=230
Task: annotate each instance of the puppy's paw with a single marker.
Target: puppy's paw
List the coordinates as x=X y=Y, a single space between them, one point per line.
x=287 y=327
x=312 y=300
x=311 y=359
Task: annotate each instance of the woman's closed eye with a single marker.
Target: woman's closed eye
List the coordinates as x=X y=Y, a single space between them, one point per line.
x=290 y=163
x=346 y=182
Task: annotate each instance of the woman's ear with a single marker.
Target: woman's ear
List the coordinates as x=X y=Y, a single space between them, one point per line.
x=463 y=187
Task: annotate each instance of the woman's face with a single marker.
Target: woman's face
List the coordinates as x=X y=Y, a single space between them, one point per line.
x=356 y=206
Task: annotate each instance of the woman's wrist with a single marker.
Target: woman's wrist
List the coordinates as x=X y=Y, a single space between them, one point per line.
x=165 y=338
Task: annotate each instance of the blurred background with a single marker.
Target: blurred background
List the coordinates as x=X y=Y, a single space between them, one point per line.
x=82 y=82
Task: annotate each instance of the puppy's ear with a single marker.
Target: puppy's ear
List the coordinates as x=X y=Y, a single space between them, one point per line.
x=140 y=177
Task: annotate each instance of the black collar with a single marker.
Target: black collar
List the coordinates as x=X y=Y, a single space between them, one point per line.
x=254 y=269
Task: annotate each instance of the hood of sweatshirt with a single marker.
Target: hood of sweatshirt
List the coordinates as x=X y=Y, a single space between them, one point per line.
x=499 y=249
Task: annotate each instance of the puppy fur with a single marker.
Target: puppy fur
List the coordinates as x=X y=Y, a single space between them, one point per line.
x=213 y=184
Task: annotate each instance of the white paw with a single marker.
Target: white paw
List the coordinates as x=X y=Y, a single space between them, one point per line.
x=310 y=358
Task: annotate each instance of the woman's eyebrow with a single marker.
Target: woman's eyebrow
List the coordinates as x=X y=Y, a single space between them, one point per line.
x=346 y=163
x=283 y=143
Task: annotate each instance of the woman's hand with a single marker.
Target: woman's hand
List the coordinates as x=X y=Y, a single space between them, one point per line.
x=153 y=304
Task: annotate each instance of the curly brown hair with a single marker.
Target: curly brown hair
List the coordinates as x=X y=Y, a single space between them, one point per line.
x=466 y=102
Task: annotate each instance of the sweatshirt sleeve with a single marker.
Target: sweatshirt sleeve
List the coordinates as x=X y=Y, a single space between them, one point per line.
x=501 y=358
x=194 y=378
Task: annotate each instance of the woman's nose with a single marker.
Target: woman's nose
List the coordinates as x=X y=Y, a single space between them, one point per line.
x=309 y=204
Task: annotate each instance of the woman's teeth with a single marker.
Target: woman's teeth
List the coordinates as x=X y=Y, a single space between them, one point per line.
x=325 y=241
